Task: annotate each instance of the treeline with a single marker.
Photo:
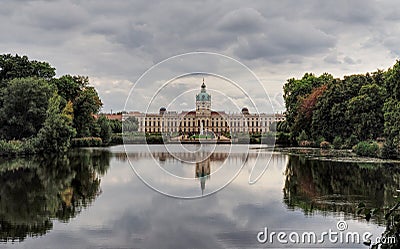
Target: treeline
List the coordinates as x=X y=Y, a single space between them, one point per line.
x=42 y=113
x=358 y=110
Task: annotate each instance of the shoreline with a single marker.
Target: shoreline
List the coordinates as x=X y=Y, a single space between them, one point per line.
x=332 y=155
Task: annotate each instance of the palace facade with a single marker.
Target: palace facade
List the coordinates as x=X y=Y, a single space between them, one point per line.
x=204 y=119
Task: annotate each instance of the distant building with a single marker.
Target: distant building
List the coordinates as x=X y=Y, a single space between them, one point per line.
x=204 y=119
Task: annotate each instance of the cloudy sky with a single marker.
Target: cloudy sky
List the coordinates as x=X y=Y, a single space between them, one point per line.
x=115 y=42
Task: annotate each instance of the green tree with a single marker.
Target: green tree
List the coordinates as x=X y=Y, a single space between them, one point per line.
x=105 y=129
x=69 y=87
x=329 y=117
x=296 y=90
x=12 y=67
x=56 y=133
x=23 y=106
x=86 y=104
x=130 y=124
x=116 y=125
x=365 y=112
x=392 y=79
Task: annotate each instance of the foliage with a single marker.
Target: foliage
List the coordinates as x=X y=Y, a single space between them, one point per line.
x=389 y=150
x=351 y=141
x=154 y=139
x=296 y=90
x=364 y=112
x=282 y=126
x=356 y=108
x=43 y=112
x=17 y=147
x=12 y=67
x=337 y=142
x=325 y=145
x=36 y=191
x=116 y=138
x=86 y=104
x=367 y=148
x=55 y=135
x=392 y=116
x=130 y=124
x=302 y=136
x=24 y=102
x=283 y=138
x=116 y=125
x=105 y=129
x=273 y=127
x=86 y=142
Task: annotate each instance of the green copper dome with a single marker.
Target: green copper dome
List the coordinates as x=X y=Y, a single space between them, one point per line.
x=203 y=95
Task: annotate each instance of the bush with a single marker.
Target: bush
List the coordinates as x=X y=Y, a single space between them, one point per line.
x=325 y=145
x=86 y=142
x=351 y=141
x=17 y=147
x=366 y=148
x=302 y=137
x=283 y=138
x=389 y=150
x=337 y=142
x=116 y=139
x=318 y=141
x=154 y=139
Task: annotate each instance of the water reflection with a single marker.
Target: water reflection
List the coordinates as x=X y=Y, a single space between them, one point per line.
x=328 y=186
x=34 y=191
x=128 y=214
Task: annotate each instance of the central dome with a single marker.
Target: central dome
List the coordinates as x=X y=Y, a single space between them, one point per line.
x=203 y=95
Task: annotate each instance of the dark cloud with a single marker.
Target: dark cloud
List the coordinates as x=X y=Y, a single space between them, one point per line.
x=119 y=40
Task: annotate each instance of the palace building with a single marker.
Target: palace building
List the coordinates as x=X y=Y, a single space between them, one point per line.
x=204 y=119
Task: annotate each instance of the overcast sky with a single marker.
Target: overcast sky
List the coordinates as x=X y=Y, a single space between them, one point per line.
x=115 y=42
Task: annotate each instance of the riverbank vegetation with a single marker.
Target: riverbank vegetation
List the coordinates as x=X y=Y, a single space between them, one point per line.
x=360 y=111
x=40 y=113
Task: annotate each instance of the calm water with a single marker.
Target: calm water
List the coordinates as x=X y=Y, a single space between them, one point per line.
x=93 y=199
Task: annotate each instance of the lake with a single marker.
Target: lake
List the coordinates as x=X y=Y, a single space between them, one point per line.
x=199 y=197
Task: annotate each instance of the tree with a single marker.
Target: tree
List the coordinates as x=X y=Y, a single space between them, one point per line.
x=392 y=79
x=105 y=129
x=365 y=112
x=329 y=117
x=391 y=111
x=130 y=124
x=23 y=107
x=69 y=87
x=86 y=104
x=297 y=90
x=305 y=111
x=56 y=133
x=12 y=67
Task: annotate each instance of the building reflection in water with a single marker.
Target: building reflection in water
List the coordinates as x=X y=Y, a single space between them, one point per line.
x=203 y=170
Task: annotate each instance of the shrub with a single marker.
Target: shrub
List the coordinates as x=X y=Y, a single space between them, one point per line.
x=302 y=137
x=116 y=139
x=351 y=141
x=389 y=150
x=325 y=145
x=318 y=141
x=16 y=147
x=337 y=142
x=154 y=139
x=283 y=138
x=86 y=142
x=366 y=148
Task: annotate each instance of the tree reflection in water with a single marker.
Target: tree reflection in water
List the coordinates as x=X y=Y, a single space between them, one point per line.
x=327 y=186
x=35 y=191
